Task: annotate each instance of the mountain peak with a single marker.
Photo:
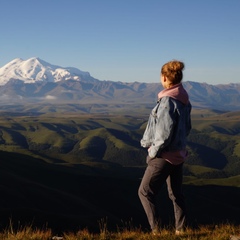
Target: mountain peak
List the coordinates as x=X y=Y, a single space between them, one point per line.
x=35 y=69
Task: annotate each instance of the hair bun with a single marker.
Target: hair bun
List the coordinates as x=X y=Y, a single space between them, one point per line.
x=176 y=65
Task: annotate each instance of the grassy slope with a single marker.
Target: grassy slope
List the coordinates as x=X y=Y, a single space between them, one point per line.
x=223 y=126
x=219 y=232
x=71 y=139
x=72 y=197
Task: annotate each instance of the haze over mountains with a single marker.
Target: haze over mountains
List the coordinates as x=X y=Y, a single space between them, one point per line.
x=36 y=81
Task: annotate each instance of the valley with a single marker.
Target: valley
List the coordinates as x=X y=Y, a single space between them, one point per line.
x=73 y=168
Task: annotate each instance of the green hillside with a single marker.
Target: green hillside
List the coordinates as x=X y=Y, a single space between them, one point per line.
x=74 y=138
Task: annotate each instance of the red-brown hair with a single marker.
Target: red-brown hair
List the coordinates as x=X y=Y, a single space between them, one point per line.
x=173 y=71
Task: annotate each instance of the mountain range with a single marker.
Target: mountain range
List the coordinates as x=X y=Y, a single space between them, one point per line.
x=36 y=81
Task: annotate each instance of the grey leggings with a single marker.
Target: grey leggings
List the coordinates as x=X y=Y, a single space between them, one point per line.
x=157 y=173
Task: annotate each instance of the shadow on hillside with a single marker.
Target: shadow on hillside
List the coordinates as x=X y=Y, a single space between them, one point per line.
x=207 y=157
x=68 y=198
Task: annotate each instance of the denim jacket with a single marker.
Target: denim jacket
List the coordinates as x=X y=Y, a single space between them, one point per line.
x=168 y=126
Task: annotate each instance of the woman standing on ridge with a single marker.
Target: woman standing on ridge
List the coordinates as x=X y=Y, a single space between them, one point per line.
x=165 y=137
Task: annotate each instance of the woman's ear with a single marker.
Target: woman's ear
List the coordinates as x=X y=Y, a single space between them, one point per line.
x=164 y=78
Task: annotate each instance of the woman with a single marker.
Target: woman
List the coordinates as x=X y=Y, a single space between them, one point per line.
x=165 y=137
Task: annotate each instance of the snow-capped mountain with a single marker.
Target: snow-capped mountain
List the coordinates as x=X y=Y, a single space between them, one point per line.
x=35 y=69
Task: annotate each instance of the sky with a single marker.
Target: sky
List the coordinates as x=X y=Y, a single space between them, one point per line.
x=126 y=40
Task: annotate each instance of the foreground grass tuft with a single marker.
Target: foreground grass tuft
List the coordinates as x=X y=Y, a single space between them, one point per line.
x=26 y=233
x=220 y=232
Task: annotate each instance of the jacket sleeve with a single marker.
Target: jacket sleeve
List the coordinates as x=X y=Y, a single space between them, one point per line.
x=149 y=132
x=164 y=126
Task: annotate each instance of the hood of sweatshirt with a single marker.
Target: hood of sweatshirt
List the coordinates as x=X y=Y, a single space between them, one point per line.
x=177 y=92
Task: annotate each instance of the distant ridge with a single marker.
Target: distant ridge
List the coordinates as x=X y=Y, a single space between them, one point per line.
x=35 y=81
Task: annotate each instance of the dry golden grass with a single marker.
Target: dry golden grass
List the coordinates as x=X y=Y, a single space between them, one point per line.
x=221 y=232
x=26 y=233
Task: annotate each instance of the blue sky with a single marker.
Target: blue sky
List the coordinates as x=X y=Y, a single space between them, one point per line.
x=126 y=40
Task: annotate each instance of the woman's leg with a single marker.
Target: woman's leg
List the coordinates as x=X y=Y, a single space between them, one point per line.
x=154 y=177
x=174 y=184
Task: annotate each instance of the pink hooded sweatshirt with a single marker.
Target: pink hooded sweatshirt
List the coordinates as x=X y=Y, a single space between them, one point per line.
x=177 y=92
